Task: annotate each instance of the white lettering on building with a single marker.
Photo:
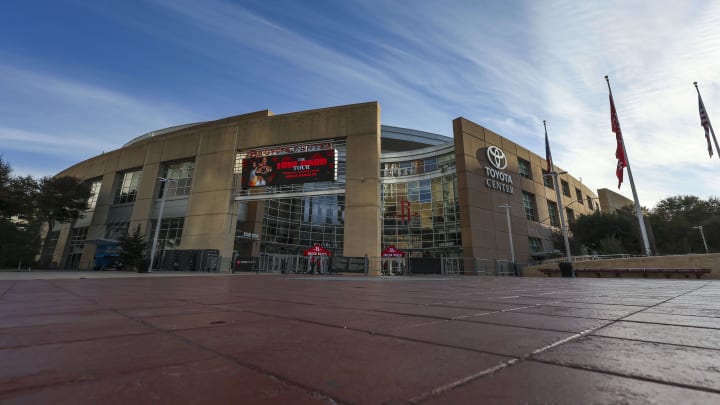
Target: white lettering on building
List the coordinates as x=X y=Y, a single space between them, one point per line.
x=498 y=180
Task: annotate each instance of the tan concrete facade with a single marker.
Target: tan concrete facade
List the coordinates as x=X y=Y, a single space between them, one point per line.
x=484 y=219
x=611 y=201
x=211 y=210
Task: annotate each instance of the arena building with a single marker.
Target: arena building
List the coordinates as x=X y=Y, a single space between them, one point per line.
x=265 y=186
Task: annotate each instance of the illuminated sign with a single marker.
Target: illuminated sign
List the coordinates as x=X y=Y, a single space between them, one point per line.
x=288 y=168
x=289 y=149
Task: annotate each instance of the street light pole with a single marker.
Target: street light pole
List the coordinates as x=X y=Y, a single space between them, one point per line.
x=702 y=234
x=512 y=247
x=159 y=220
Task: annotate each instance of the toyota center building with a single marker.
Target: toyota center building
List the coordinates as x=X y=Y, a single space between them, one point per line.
x=265 y=185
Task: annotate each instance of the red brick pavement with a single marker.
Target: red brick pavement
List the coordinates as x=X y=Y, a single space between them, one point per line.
x=284 y=339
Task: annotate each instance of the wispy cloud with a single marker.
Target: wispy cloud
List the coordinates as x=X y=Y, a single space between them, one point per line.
x=504 y=65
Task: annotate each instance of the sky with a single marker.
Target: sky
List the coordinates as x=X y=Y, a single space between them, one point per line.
x=78 y=78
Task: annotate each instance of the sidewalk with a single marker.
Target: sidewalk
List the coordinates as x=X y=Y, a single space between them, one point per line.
x=286 y=339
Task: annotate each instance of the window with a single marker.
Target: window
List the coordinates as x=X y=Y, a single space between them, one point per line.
x=170 y=233
x=565 y=188
x=94 y=192
x=570 y=215
x=535 y=245
x=126 y=191
x=579 y=196
x=115 y=230
x=182 y=174
x=77 y=244
x=431 y=164
x=590 y=202
x=553 y=213
x=547 y=179
x=52 y=244
x=524 y=168
x=529 y=205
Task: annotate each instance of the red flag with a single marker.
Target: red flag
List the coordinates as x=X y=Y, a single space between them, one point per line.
x=548 y=155
x=705 y=123
x=619 y=151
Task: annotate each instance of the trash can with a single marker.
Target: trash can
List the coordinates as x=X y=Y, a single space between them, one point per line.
x=566 y=269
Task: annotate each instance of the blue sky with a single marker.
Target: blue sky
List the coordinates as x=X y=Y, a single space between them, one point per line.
x=81 y=77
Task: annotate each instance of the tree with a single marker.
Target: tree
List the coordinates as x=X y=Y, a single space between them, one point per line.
x=605 y=232
x=132 y=249
x=673 y=221
x=60 y=199
x=19 y=242
x=19 y=236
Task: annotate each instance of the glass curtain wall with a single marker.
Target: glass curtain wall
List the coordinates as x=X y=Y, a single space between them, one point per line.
x=421 y=216
x=291 y=225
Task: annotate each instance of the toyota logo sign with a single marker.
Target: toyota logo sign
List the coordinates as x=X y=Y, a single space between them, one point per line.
x=496 y=157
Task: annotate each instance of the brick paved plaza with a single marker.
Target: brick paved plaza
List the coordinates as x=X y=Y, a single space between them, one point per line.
x=285 y=339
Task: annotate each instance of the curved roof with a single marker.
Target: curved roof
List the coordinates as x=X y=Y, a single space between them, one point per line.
x=394 y=139
x=160 y=132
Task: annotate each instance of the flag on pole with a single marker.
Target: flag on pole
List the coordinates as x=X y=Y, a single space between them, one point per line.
x=548 y=155
x=705 y=123
x=619 y=151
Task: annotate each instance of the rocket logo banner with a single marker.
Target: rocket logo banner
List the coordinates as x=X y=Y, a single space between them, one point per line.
x=287 y=169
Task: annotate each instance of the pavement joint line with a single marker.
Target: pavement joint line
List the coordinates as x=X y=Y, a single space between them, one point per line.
x=7 y=290
x=447 y=387
x=90 y=339
x=632 y=376
x=388 y=335
x=688 y=315
x=674 y=324
x=656 y=342
x=86 y=379
x=310 y=390
x=531 y=355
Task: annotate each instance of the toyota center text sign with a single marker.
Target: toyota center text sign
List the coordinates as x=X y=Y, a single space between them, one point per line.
x=292 y=168
x=496 y=177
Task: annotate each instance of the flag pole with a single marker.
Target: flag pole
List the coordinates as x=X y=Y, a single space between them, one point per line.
x=638 y=208
x=561 y=210
x=707 y=116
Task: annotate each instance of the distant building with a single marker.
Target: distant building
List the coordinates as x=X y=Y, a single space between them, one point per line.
x=611 y=201
x=261 y=184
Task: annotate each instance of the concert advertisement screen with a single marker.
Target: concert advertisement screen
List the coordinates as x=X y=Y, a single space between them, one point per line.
x=287 y=169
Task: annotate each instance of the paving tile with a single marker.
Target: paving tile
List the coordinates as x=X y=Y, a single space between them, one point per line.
x=262 y=336
x=662 y=362
x=351 y=366
x=59 y=318
x=477 y=304
x=671 y=319
x=537 y=383
x=202 y=320
x=691 y=311
x=572 y=304
x=605 y=313
x=427 y=310
x=215 y=381
x=505 y=340
x=673 y=334
x=178 y=309
x=644 y=302
x=371 y=321
x=45 y=307
x=366 y=369
x=77 y=361
x=539 y=321
x=69 y=332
